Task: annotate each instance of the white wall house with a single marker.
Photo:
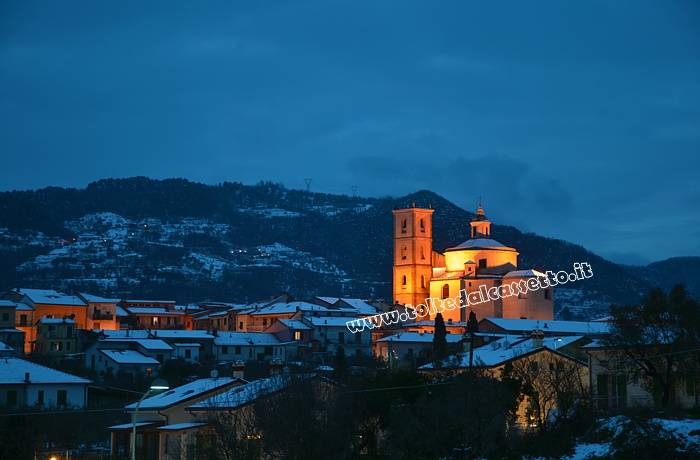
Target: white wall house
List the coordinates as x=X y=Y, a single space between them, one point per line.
x=23 y=383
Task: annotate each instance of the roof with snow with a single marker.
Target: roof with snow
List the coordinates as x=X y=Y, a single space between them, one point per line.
x=153 y=311
x=128 y=357
x=505 y=349
x=50 y=297
x=120 y=311
x=56 y=321
x=243 y=394
x=285 y=308
x=246 y=338
x=182 y=345
x=329 y=321
x=167 y=334
x=419 y=337
x=485 y=243
x=13 y=370
x=97 y=299
x=184 y=393
x=294 y=324
x=548 y=326
x=525 y=274
x=359 y=305
x=182 y=426
x=153 y=344
x=7 y=303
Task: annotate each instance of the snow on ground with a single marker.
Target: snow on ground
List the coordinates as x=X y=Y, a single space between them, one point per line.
x=270 y=213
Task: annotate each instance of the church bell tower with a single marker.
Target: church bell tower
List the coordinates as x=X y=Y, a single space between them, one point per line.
x=413 y=250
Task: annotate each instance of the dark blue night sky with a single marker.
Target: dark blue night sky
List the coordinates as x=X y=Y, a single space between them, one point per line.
x=575 y=120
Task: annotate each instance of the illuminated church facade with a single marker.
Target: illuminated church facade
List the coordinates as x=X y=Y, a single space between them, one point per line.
x=476 y=265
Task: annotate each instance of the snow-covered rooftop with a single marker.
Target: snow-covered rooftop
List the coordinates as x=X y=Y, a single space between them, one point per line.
x=329 y=321
x=294 y=324
x=153 y=344
x=504 y=349
x=184 y=393
x=419 y=337
x=51 y=297
x=550 y=326
x=160 y=334
x=481 y=243
x=128 y=357
x=56 y=321
x=7 y=303
x=246 y=338
x=13 y=370
x=182 y=426
x=97 y=299
x=524 y=274
x=243 y=394
x=153 y=311
x=284 y=308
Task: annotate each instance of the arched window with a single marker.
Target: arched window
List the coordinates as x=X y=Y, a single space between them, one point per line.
x=445 y=291
x=403 y=225
x=404 y=252
x=404 y=280
x=422 y=253
x=422 y=226
x=422 y=281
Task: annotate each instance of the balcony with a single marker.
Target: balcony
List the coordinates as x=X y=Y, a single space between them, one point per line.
x=106 y=316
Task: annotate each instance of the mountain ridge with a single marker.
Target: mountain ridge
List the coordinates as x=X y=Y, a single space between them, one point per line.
x=191 y=242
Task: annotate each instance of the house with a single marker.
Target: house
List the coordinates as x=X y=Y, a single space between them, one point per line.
x=56 y=337
x=616 y=389
x=259 y=317
x=102 y=312
x=331 y=333
x=132 y=355
x=293 y=330
x=407 y=345
x=163 y=421
x=33 y=304
x=233 y=412
x=537 y=362
x=23 y=383
x=249 y=346
x=7 y=314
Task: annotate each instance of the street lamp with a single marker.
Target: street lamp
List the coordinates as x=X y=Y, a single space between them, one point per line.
x=157 y=385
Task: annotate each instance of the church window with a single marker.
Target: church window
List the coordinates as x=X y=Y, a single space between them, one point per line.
x=422 y=252
x=482 y=263
x=404 y=252
x=403 y=225
x=422 y=226
x=445 y=291
x=404 y=280
x=422 y=281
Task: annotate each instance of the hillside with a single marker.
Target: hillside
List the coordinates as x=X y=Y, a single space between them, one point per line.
x=191 y=242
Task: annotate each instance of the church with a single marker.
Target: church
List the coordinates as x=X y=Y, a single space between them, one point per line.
x=476 y=265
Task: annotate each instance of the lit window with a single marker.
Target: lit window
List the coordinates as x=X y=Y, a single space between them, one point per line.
x=298 y=335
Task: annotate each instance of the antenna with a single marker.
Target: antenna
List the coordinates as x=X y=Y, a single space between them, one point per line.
x=354 y=189
x=308 y=185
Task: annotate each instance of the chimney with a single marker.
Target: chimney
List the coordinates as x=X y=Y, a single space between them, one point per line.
x=26 y=377
x=537 y=338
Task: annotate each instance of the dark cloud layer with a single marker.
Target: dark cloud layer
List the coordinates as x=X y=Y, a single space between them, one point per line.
x=573 y=120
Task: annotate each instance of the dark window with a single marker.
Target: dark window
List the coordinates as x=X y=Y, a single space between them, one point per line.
x=268 y=350
x=445 y=291
x=238 y=349
x=159 y=358
x=240 y=326
x=264 y=321
x=404 y=252
x=67 y=346
x=404 y=280
x=12 y=398
x=5 y=316
x=403 y=225
x=548 y=294
x=188 y=354
x=62 y=397
x=224 y=349
x=40 y=398
x=422 y=281
x=482 y=263
x=22 y=320
x=422 y=226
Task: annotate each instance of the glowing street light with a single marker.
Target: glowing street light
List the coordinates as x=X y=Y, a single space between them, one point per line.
x=157 y=385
